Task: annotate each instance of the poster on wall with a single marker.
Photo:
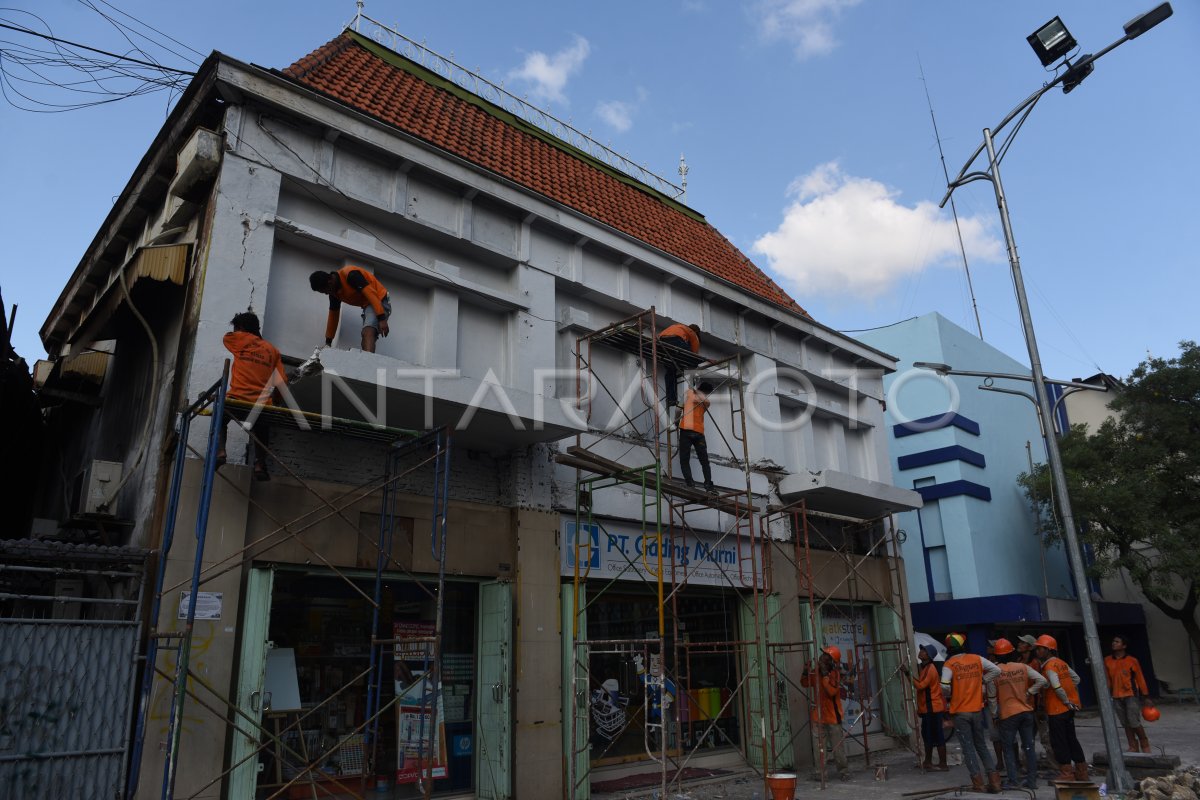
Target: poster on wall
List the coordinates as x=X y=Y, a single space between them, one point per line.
x=849 y=629
x=419 y=754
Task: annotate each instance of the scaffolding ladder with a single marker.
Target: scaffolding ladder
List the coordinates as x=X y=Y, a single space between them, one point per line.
x=408 y=452
x=860 y=544
x=665 y=573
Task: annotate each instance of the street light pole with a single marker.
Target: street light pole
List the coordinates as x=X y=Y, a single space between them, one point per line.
x=1118 y=777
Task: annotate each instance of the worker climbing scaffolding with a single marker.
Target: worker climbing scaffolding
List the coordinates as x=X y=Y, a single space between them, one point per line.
x=734 y=707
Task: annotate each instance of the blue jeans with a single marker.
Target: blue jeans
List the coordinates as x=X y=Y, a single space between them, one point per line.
x=1024 y=725
x=972 y=735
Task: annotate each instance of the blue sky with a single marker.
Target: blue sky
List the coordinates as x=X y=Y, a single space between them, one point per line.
x=806 y=132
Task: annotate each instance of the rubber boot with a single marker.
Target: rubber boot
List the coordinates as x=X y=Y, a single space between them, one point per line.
x=1143 y=739
x=942 y=766
x=1081 y=772
x=1132 y=740
x=993 y=786
x=977 y=784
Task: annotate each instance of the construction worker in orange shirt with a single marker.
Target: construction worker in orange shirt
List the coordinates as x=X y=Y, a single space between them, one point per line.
x=827 y=714
x=255 y=376
x=357 y=287
x=1026 y=649
x=1127 y=685
x=686 y=337
x=1062 y=701
x=931 y=706
x=963 y=678
x=991 y=719
x=1017 y=686
x=691 y=435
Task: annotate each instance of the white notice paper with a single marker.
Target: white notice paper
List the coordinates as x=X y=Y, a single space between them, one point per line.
x=208 y=605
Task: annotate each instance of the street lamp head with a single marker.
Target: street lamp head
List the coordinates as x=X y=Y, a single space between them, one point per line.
x=1140 y=24
x=940 y=369
x=1052 y=41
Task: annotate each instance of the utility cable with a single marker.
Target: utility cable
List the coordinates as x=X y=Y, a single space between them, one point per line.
x=953 y=208
x=167 y=36
x=95 y=50
x=153 y=396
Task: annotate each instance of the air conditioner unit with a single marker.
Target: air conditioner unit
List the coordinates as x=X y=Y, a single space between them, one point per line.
x=94 y=486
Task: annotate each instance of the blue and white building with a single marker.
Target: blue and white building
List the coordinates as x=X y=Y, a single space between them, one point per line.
x=974 y=560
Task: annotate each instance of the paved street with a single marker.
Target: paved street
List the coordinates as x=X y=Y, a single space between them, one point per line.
x=1175 y=733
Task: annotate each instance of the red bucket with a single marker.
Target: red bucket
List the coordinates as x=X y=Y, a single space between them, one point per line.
x=782 y=785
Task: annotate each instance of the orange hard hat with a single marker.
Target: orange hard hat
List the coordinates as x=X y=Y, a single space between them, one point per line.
x=834 y=652
x=1047 y=641
x=956 y=640
x=1150 y=714
x=1003 y=647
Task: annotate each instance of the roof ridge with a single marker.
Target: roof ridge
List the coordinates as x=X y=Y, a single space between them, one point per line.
x=443 y=83
x=370 y=78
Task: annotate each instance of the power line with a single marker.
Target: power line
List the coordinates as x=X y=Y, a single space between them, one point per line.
x=95 y=50
x=953 y=209
x=152 y=28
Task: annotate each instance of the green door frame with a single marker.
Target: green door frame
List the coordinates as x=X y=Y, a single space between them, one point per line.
x=575 y=698
x=493 y=761
x=252 y=664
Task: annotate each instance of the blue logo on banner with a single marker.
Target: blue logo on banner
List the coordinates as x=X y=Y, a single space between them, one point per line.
x=571 y=538
x=462 y=745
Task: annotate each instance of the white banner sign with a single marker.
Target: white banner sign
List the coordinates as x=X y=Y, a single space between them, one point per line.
x=608 y=550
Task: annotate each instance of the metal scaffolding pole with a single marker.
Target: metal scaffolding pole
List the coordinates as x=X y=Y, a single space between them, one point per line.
x=668 y=529
x=431 y=448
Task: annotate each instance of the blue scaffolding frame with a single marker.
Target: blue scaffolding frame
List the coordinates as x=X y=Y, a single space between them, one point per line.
x=431 y=447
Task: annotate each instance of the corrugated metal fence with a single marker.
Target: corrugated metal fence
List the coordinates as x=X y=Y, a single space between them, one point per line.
x=70 y=619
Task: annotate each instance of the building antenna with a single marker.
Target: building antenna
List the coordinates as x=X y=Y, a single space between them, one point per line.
x=958 y=228
x=683 y=171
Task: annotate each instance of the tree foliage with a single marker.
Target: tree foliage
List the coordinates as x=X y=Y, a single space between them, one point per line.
x=1135 y=485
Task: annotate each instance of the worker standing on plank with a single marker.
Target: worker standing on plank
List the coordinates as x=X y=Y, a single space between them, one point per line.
x=357 y=287
x=686 y=337
x=691 y=435
x=1017 y=687
x=256 y=373
x=963 y=677
x=827 y=713
x=1127 y=685
x=1062 y=701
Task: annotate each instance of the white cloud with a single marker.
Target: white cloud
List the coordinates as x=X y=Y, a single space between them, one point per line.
x=807 y=24
x=843 y=235
x=547 y=75
x=616 y=113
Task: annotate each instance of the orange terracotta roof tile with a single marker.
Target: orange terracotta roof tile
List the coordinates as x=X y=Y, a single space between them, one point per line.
x=473 y=129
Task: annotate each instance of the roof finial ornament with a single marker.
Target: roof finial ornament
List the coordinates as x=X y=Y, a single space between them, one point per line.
x=683 y=171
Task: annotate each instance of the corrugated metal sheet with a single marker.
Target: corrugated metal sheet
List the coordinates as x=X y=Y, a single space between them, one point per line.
x=64 y=703
x=90 y=365
x=167 y=262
